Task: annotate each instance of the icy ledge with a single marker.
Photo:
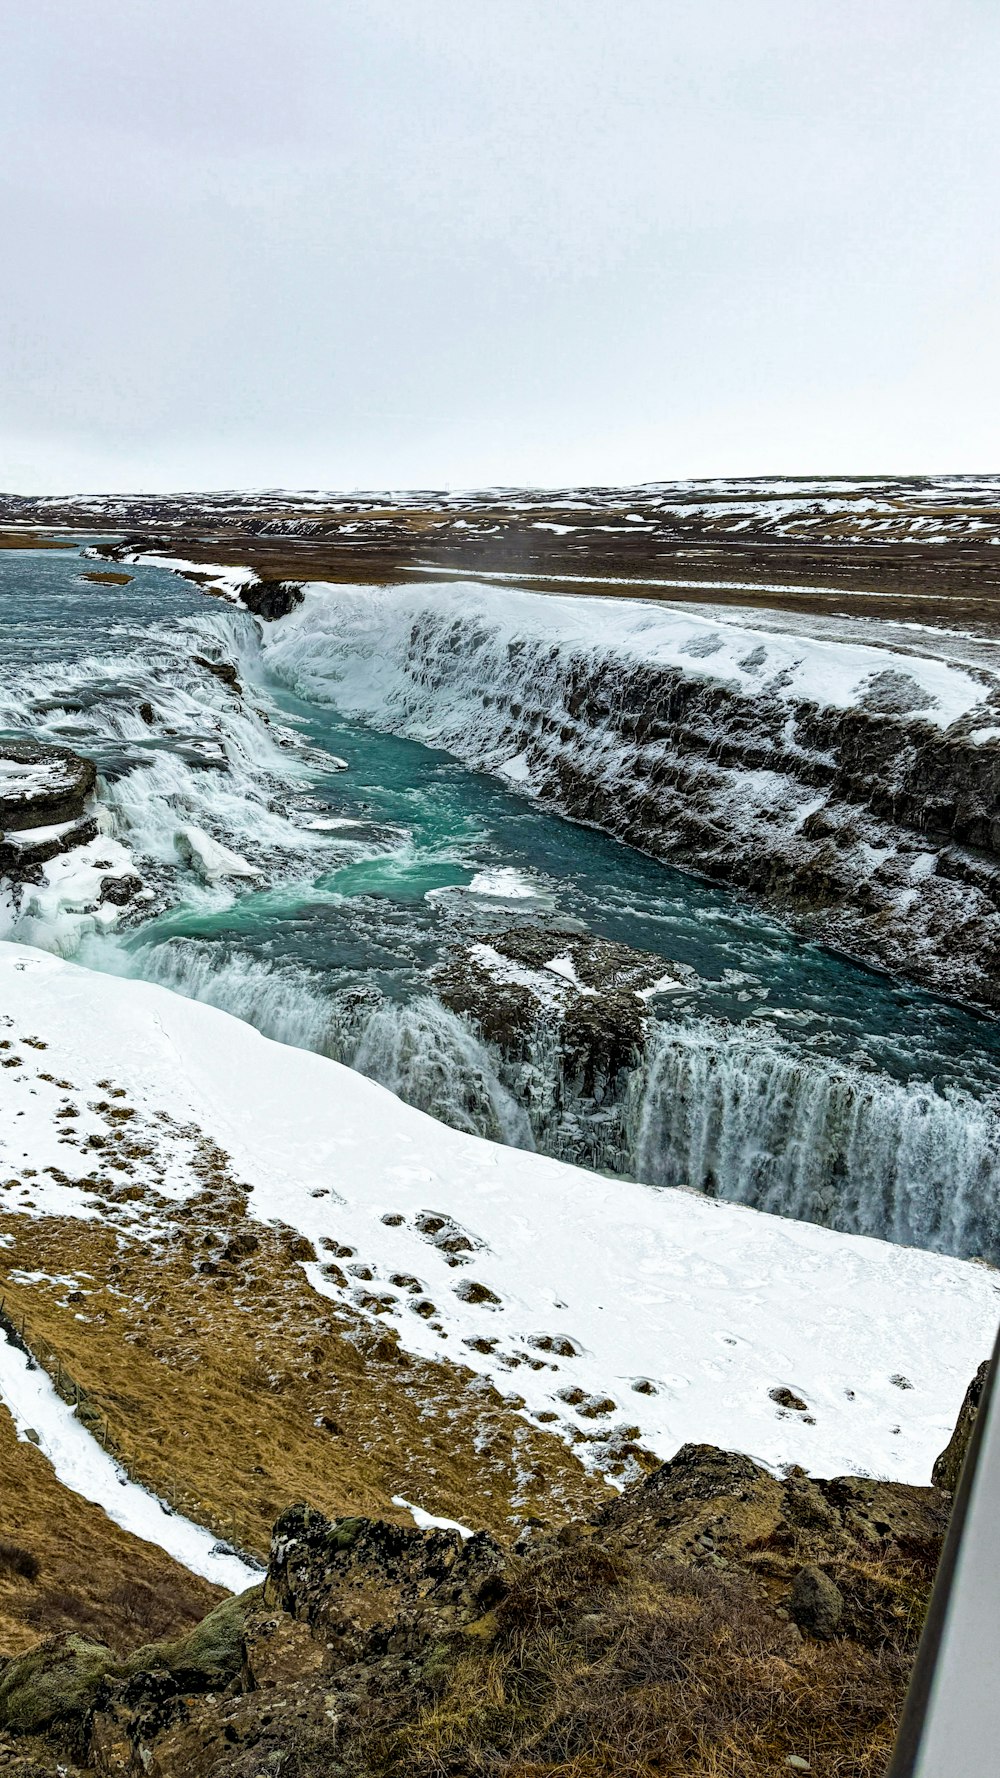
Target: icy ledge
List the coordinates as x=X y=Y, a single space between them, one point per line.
x=613 y=1309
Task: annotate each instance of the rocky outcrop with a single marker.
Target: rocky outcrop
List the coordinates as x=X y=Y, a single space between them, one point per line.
x=948 y=1467
x=43 y=797
x=271 y=599
x=378 y=1649
x=432 y=1582
x=589 y=990
x=566 y=1014
x=42 y=786
x=867 y=827
x=224 y=671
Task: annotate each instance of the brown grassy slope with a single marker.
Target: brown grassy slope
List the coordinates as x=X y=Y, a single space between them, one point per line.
x=29 y=540
x=65 y=1566
x=236 y=1389
x=220 y=1377
x=944 y=584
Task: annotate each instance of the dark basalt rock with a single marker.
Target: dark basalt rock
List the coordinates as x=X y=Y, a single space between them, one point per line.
x=22 y=857
x=948 y=1467
x=42 y=788
x=119 y=891
x=45 y=787
x=271 y=599
x=321 y=1571
x=565 y=1040
x=222 y=670
x=816 y=1603
x=598 y=1022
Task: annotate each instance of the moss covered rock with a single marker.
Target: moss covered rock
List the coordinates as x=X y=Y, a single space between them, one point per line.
x=55 y=1686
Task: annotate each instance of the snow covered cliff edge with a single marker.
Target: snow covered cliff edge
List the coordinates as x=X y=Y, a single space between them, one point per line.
x=854 y=786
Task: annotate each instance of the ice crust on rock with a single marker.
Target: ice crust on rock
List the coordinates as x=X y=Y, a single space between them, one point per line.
x=213 y=861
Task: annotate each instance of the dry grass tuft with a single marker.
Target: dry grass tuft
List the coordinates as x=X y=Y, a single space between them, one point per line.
x=601 y=1668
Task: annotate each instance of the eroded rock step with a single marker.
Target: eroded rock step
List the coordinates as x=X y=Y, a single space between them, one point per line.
x=44 y=792
x=371 y=1647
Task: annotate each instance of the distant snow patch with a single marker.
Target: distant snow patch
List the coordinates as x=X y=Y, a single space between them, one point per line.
x=428 y=1521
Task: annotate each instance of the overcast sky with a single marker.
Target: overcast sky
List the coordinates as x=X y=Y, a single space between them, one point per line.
x=343 y=243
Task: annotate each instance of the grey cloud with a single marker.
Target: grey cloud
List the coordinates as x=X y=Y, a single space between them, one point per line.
x=355 y=243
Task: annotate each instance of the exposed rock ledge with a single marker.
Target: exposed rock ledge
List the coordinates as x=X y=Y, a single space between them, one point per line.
x=43 y=805
x=588 y=994
x=856 y=789
x=868 y=828
x=567 y=1016
x=712 y=1605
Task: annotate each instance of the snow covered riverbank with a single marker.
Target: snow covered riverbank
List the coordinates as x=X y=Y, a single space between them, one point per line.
x=613 y=1309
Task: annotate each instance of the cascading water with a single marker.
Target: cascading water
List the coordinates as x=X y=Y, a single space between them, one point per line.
x=736 y=1113
x=743 y=1116
x=418 y=1049
x=875 y=1111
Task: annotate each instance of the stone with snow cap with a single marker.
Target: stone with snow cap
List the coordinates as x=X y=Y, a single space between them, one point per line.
x=43 y=798
x=42 y=786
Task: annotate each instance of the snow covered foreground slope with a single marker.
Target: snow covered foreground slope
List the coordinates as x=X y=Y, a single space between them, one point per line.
x=655 y=1309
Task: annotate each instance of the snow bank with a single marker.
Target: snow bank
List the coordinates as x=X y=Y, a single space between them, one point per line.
x=656 y=1309
x=217 y=577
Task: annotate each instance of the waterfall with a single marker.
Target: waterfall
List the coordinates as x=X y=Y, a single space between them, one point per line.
x=737 y=1113
x=745 y=1117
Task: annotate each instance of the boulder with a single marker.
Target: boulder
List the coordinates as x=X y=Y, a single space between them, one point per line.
x=119 y=891
x=817 y=1603
x=363 y=1583
x=210 y=1657
x=54 y=1687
